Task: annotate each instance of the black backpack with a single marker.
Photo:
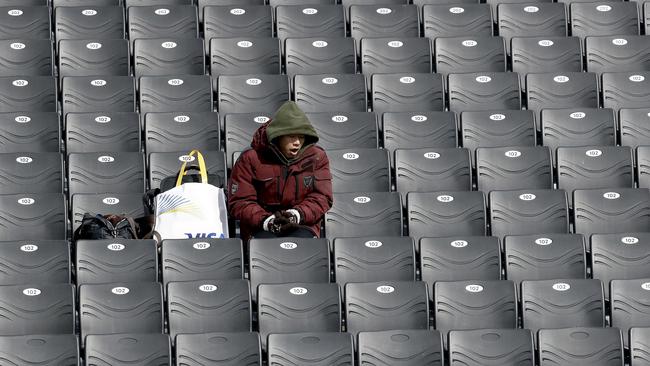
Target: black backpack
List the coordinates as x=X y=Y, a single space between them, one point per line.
x=106 y=227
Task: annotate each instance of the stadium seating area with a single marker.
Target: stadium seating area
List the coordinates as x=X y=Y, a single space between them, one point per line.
x=490 y=162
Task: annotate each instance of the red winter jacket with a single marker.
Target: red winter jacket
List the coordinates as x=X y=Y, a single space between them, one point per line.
x=262 y=183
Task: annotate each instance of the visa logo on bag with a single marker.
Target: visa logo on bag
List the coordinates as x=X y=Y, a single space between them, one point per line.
x=204 y=235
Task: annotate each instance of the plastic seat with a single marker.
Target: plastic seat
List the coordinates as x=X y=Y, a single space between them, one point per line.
x=383 y=20
x=237 y=20
x=374 y=258
x=83 y=22
x=128 y=204
x=356 y=170
x=464 y=54
x=401 y=347
x=497 y=129
x=633 y=127
x=617 y=53
x=40 y=261
x=175 y=93
x=364 y=214
x=24 y=3
x=244 y=55
x=128 y=349
x=160 y=20
x=561 y=90
x=275 y=3
x=29 y=132
x=97 y=94
x=625 y=89
x=26 y=57
x=167 y=164
x=62 y=349
x=102 y=131
x=28 y=94
x=491 y=347
x=526 y=20
x=545 y=54
x=299 y=20
x=201 y=259
x=117 y=172
x=172 y=132
x=528 y=211
x=168 y=56
x=494 y=4
x=345 y=130
x=86 y=57
x=615 y=210
x=639 y=346
x=136 y=3
x=241 y=348
x=70 y=3
x=577 y=127
x=33 y=217
x=604 y=19
x=509 y=168
x=484 y=91
x=619 y=256
x=19 y=19
x=314 y=349
x=595 y=346
x=407 y=92
x=630 y=304
x=426 y=170
x=116 y=260
x=395 y=55
x=318 y=55
x=330 y=93
x=423 y=129
x=246 y=93
x=457 y=19
x=31 y=173
x=643 y=165
x=239 y=129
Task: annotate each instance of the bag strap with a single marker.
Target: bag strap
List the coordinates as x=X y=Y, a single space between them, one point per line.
x=202 y=169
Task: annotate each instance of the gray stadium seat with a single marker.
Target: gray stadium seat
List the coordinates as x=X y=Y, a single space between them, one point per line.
x=383 y=20
x=459 y=258
x=244 y=55
x=328 y=20
x=31 y=173
x=97 y=94
x=617 y=53
x=39 y=261
x=345 y=130
x=611 y=210
x=643 y=165
x=629 y=304
x=239 y=129
x=544 y=257
x=625 y=89
x=28 y=94
x=527 y=20
x=37 y=309
x=60 y=349
x=240 y=348
x=593 y=346
x=407 y=92
x=561 y=90
x=21 y=56
x=70 y=3
x=374 y=258
x=168 y=56
x=128 y=349
x=577 y=127
x=163 y=165
x=358 y=170
x=497 y=129
x=201 y=259
x=314 y=349
x=491 y=347
x=422 y=129
x=604 y=19
x=135 y=3
x=621 y=256
x=520 y=167
x=175 y=93
x=562 y=303
x=386 y=305
x=129 y=204
x=158 y=20
x=432 y=169
x=117 y=172
x=318 y=55
x=83 y=22
x=116 y=260
x=237 y=20
x=545 y=54
x=33 y=217
x=528 y=211
x=246 y=93
x=88 y=57
x=29 y=132
x=633 y=126
x=401 y=347
x=330 y=93
x=476 y=53
x=205 y=306
x=395 y=55
x=113 y=308
x=463 y=18
x=102 y=131
x=23 y=2
x=23 y=20
x=364 y=214
x=638 y=346
x=439 y=214
x=484 y=91
x=186 y=131
x=275 y=3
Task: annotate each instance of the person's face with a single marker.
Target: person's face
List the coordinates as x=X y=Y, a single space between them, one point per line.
x=290 y=145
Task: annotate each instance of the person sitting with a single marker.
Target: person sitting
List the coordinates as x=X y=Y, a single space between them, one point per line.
x=283 y=185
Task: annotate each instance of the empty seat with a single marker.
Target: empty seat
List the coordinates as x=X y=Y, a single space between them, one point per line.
x=33 y=217
x=29 y=131
x=347 y=130
x=205 y=306
x=28 y=94
x=168 y=56
x=484 y=91
x=625 y=89
x=412 y=130
x=455 y=20
x=22 y=20
x=497 y=129
x=237 y=20
x=102 y=131
x=383 y=20
x=604 y=19
x=120 y=308
x=186 y=131
x=364 y=214
x=528 y=211
x=476 y=53
x=275 y=3
x=621 y=256
x=561 y=90
x=24 y=2
x=611 y=210
x=545 y=54
x=40 y=261
x=508 y=168
x=239 y=129
x=31 y=173
x=386 y=305
x=26 y=57
x=162 y=20
x=633 y=126
x=572 y=346
x=244 y=55
x=83 y=22
x=544 y=257
x=128 y=349
x=201 y=259
x=61 y=349
x=374 y=258
x=395 y=54
x=617 y=53
x=643 y=165
x=577 y=127
x=246 y=93
x=357 y=170
x=314 y=349
x=639 y=346
x=459 y=258
x=128 y=204
x=240 y=348
x=432 y=169
x=167 y=164
x=630 y=304
x=97 y=94
x=37 y=309
x=84 y=57
x=491 y=347
x=174 y=94
x=407 y=92
x=298 y=307
x=330 y=92
x=70 y=3
x=494 y=4
x=562 y=304
x=135 y=3
x=449 y=213
x=320 y=55
x=401 y=347
x=476 y=304
x=309 y=20
x=526 y=20
x=116 y=172
x=116 y=260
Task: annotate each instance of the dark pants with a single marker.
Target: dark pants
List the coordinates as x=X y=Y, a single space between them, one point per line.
x=300 y=232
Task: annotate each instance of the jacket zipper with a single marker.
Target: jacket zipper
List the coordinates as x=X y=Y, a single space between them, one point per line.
x=296 y=195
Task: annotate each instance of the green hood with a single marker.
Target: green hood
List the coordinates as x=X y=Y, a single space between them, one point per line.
x=291 y=120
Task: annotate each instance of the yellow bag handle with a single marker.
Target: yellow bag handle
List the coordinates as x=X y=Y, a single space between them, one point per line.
x=202 y=169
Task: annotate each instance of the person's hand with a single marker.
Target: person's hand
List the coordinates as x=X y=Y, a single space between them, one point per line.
x=292 y=215
x=274 y=223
